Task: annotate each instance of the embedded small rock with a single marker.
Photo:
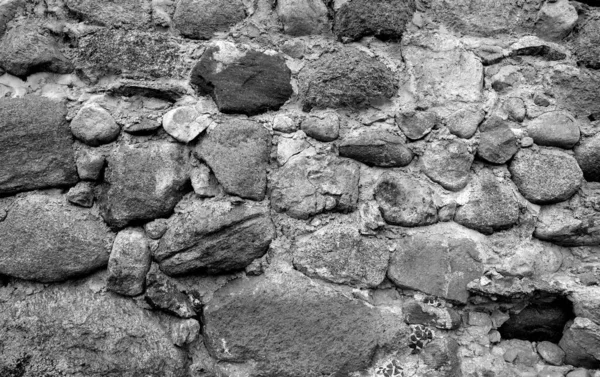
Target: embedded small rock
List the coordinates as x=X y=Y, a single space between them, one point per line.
x=162 y=293
x=587 y=43
x=89 y=164
x=94 y=126
x=185 y=123
x=581 y=343
x=588 y=158
x=376 y=149
x=497 y=143
x=554 y=129
x=303 y=17
x=82 y=194
x=322 y=127
x=201 y=19
x=417 y=124
x=464 y=122
x=515 y=108
x=129 y=263
x=204 y=182
x=125 y=13
x=155 y=229
x=551 y=353
x=448 y=163
x=419 y=313
x=556 y=20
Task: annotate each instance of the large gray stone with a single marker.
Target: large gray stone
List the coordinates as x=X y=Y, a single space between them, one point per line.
x=556 y=20
x=200 y=19
x=376 y=148
x=237 y=152
x=303 y=17
x=576 y=90
x=129 y=262
x=163 y=293
x=551 y=353
x=587 y=42
x=8 y=10
x=46 y=239
x=122 y=14
x=497 y=142
x=448 y=163
x=554 y=129
x=588 y=158
x=308 y=185
x=214 y=236
x=35 y=145
x=293 y=326
x=581 y=343
x=142 y=182
x=416 y=125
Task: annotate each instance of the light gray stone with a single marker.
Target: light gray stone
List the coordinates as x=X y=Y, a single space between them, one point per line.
x=89 y=164
x=129 y=262
x=323 y=127
x=464 y=122
x=303 y=17
x=417 y=124
x=448 y=163
x=497 y=142
x=82 y=194
x=185 y=123
x=554 y=129
x=94 y=126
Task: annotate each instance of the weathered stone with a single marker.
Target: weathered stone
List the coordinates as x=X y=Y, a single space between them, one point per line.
x=237 y=151
x=416 y=312
x=497 y=143
x=123 y=14
x=162 y=293
x=161 y=90
x=35 y=145
x=538 y=321
x=75 y=329
x=142 y=182
x=417 y=124
x=94 y=126
x=520 y=352
x=439 y=260
x=204 y=182
x=185 y=123
x=370 y=218
x=464 y=122
x=339 y=254
x=284 y=123
x=404 y=200
x=576 y=90
x=491 y=206
x=214 y=236
x=448 y=163
x=581 y=343
x=303 y=17
x=292 y=326
x=61 y=241
x=142 y=126
x=82 y=194
x=551 y=353
x=579 y=373
x=546 y=175
x=89 y=164
x=306 y=186
x=441 y=357
x=376 y=149
x=587 y=42
x=386 y=19
x=555 y=129
x=200 y=19
x=287 y=147
x=556 y=20
x=322 y=127
x=129 y=262
x=515 y=108
x=155 y=229
x=27 y=48
x=8 y=10
x=588 y=158
x=242 y=82
x=345 y=78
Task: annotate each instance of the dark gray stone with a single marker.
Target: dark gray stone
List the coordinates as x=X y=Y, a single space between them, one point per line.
x=417 y=313
x=89 y=164
x=588 y=158
x=167 y=91
x=323 y=127
x=8 y=10
x=448 y=163
x=82 y=194
x=554 y=129
x=376 y=149
x=129 y=262
x=59 y=242
x=464 y=122
x=497 y=143
x=303 y=17
x=164 y=294
x=576 y=90
x=35 y=145
x=587 y=42
x=417 y=124
x=581 y=343
x=122 y=14
x=200 y=19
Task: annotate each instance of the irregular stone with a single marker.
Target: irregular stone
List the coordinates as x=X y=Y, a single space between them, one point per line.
x=497 y=142
x=491 y=206
x=162 y=293
x=129 y=263
x=185 y=123
x=167 y=91
x=89 y=164
x=73 y=329
x=345 y=78
x=339 y=254
x=551 y=353
x=322 y=127
x=35 y=145
x=142 y=125
x=448 y=163
x=242 y=82
x=556 y=20
x=588 y=158
x=155 y=229
x=201 y=19
x=520 y=352
x=479 y=319
x=291 y=325
x=515 y=108
x=422 y=314
x=289 y=147
x=439 y=260
x=546 y=175
x=204 y=182
x=370 y=218
x=417 y=124
x=441 y=356
x=123 y=14
x=581 y=343
x=27 y=48
x=376 y=149
x=464 y=122
x=82 y=194
x=60 y=242
x=576 y=90
x=308 y=185
x=214 y=236
x=554 y=129
x=579 y=373
x=142 y=182
x=532 y=46
x=8 y=10
x=94 y=126
x=237 y=151
x=303 y=17
x=406 y=201
x=284 y=123
x=586 y=45
x=386 y=19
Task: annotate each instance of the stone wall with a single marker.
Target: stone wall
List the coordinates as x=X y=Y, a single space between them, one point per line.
x=298 y=188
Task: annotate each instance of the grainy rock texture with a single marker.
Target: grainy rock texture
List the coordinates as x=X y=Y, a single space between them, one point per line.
x=303 y=17
x=448 y=163
x=200 y=19
x=376 y=149
x=128 y=263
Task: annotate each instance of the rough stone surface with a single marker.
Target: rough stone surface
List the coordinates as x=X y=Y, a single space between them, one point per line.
x=588 y=158
x=162 y=293
x=497 y=143
x=376 y=149
x=581 y=343
x=419 y=313
x=439 y=260
x=546 y=175
x=200 y=19
x=214 y=236
x=492 y=205
x=127 y=14
x=94 y=126
x=89 y=164
x=386 y=19
x=551 y=353
x=464 y=122
x=306 y=186
x=204 y=182
x=185 y=123
x=60 y=242
x=339 y=254
x=406 y=201
x=515 y=108
x=82 y=194
x=576 y=90
x=322 y=127
x=554 y=129
x=345 y=78
x=448 y=163
x=128 y=263
x=242 y=82
x=303 y=17
x=142 y=182
x=237 y=151
x=556 y=20
x=586 y=43
x=416 y=125
x=293 y=326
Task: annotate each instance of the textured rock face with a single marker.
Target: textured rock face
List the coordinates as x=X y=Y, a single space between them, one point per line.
x=497 y=143
x=588 y=158
x=94 y=126
x=130 y=14
x=293 y=326
x=448 y=163
x=62 y=241
x=244 y=82
x=581 y=342
x=586 y=43
x=143 y=182
x=376 y=149
x=417 y=124
x=556 y=20
x=554 y=129
x=323 y=127
x=237 y=151
x=185 y=123
x=35 y=145
x=303 y=17
x=128 y=263
x=200 y=19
